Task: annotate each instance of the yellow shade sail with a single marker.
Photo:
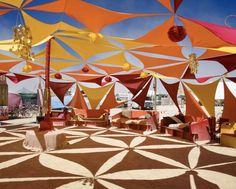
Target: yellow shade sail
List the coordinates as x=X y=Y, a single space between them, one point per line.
x=59 y=65
x=95 y=95
x=56 y=51
x=42 y=31
x=5 y=57
x=86 y=48
x=16 y=3
x=206 y=95
x=117 y=59
x=128 y=43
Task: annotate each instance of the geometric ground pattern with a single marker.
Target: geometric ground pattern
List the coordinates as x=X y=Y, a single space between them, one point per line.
x=98 y=157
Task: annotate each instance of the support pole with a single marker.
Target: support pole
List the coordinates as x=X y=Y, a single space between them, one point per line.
x=155 y=94
x=46 y=124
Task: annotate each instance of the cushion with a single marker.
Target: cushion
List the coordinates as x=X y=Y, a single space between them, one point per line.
x=170 y=120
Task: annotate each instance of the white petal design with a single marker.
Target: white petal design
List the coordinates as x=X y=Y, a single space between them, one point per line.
x=2 y=130
x=221 y=150
x=84 y=150
x=215 y=165
x=77 y=133
x=115 y=135
x=9 y=138
x=109 y=185
x=170 y=139
x=136 y=141
x=2 y=180
x=9 y=142
x=77 y=184
x=14 y=153
x=16 y=134
x=112 y=162
x=99 y=132
x=202 y=142
x=127 y=132
x=192 y=182
x=63 y=165
x=144 y=174
x=193 y=157
x=165 y=146
x=76 y=140
x=15 y=161
x=109 y=141
x=162 y=159
x=222 y=180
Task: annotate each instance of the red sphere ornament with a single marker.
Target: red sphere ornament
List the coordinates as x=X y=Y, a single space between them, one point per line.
x=85 y=69
x=58 y=76
x=108 y=79
x=177 y=33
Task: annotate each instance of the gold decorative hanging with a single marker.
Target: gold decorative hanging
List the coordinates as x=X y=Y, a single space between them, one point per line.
x=22 y=42
x=193 y=63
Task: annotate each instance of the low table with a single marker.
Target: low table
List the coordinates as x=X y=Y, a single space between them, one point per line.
x=44 y=140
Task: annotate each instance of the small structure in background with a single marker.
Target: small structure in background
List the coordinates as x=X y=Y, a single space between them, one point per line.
x=4 y=98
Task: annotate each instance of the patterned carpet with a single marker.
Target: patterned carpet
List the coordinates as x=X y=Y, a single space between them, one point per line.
x=113 y=158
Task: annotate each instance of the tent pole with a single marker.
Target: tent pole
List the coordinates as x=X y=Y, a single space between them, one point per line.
x=46 y=124
x=155 y=94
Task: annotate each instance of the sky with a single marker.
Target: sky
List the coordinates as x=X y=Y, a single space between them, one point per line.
x=217 y=11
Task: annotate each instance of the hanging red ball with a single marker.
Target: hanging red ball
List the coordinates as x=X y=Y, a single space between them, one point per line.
x=58 y=76
x=85 y=69
x=108 y=79
x=177 y=33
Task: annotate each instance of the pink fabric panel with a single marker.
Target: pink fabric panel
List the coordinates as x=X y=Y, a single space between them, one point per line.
x=225 y=33
x=14 y=100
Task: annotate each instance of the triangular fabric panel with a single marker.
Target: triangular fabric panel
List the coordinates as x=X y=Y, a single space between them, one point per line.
x=117 y=59
x=2 y=12
x=97 y=80
x=95 y=95
x=16 y=3
x=193 y=109
x=225 y=33
x=228 y=61
x=60 y=89
x=177 y=4
x=172 y=90
x=209 y=53
x=135 y=85
x=204 y=79
x=232 y=79
x=78 y=100
x=110 y=100
x=175 y=51
x=3 y=73
x=229 y=104
x=21 y=77
x=151 y=61
x=109 y=69
x=167 y=4
x=93 y=17
x=57 y=51
x=126 y=77
x=12 y=78
x=187 y=74
x=206 y=95
x=141 y=97
x=159 y=35
x=5 y=57
x=84 y=77
x=86 y=49
x=59 y=65
x=201 y=36
x=171 y=71
x=128 y=43
x=6 y=66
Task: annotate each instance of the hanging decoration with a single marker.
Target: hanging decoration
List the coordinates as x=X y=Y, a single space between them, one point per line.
x=85 y=69
x=58 y=76
x=93 y=36
x=22 y=42
x=176 y=33
x=193 y=63
x=106 y=80
x=126 y=66
x=27 y=68
x=143 y=74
